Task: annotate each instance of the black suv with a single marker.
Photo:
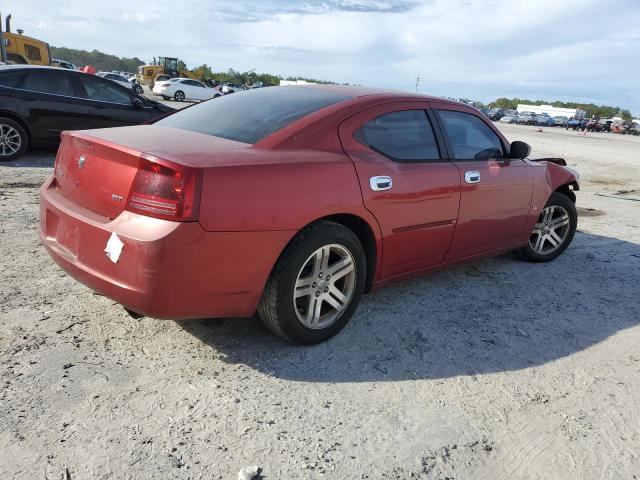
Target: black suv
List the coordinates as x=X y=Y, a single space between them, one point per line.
x=37 y=103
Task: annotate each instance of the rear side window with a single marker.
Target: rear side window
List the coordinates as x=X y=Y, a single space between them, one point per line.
x=104 y=90
x=11 y=79
x=46 y=81
x=470 y=137
x=252 y=115
x=402 y=136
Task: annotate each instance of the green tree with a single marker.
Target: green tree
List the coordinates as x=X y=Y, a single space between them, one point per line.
x=626 y=114
x=100 y=60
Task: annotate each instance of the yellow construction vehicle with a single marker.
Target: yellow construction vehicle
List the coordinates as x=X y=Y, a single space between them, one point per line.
x=18 y=48
x=163 y=66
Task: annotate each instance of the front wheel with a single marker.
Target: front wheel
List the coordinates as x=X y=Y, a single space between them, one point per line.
x=553 y=232
x=316 y=285
x=178 y=96
x=13 y=139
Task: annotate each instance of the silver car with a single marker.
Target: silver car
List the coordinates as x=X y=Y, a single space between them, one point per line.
x=561 y=121
x=509 y=119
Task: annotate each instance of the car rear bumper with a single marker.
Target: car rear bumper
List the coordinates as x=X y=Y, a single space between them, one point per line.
x=172 y=270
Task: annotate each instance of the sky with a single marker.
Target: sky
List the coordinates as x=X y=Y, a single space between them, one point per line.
x=587 y=50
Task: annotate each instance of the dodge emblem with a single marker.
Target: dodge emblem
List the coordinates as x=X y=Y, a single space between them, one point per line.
x=81 y=161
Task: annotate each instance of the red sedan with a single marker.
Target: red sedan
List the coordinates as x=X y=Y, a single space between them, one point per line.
x=293 y=202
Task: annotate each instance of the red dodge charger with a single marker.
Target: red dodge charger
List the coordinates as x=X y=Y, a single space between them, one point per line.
x=293 y=202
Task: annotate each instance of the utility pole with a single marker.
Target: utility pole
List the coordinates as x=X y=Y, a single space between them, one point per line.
x=417 y=82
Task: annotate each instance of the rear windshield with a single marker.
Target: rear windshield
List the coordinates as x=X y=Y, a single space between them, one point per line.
x=252 y=115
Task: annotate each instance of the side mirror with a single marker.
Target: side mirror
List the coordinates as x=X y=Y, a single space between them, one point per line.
x=519 y=150
x=137 y=102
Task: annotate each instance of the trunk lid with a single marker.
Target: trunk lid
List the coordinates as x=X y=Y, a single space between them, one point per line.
x=96 y=168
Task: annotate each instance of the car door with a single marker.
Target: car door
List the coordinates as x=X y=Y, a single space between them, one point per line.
x=496 y=190
x=192 y=90
x=407 y=183
x=110 y=105
x=50 y=102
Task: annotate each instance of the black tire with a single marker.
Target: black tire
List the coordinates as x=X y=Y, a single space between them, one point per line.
x=276 y=307
x=555 y=200
x=178 y=96
x=165 y=97
x=11 y=132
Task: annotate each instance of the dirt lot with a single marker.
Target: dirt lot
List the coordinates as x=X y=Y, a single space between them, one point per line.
x=500 y=369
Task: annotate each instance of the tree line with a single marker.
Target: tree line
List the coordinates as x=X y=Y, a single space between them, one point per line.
x=105 y=62
x=102 y=61
x=591 y=109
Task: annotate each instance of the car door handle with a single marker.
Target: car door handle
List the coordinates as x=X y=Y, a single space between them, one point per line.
x=380 y=183
x=472 y=177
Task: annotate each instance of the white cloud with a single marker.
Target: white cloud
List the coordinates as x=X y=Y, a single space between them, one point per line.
x=570 y=49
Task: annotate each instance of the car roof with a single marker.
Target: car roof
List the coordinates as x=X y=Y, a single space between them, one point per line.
x=391 y=94
x=4 y=68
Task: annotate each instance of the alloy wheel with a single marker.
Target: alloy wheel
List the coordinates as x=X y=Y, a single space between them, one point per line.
x=10 y=141
x=551 y=231
x=324 y=286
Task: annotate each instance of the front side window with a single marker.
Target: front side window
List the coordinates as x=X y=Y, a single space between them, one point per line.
x=45 y=81
x=470 y=137
x=104 y=90
x=402 y=136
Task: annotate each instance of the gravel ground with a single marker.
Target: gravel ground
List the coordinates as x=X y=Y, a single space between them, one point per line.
x=499 y=369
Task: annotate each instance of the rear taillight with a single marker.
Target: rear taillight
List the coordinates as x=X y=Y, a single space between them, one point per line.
x=165 y=190
x=165 y=84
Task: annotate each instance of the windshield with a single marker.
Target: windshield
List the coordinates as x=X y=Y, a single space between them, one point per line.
x=252 y=115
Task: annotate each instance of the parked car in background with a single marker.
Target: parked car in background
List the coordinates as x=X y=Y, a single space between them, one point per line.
x=544 y=120
x=56 y=62
x=576 y=123
x=161 y=77
x=38 y=103
x=495 y=114
x=131 y=83
x=161 y=85
x=527 y=118
x=509 y=119
x=293 y=202
x=115 y=77
x=181 y=89
x=508 y=111
x=228 y=88
x=561 y=121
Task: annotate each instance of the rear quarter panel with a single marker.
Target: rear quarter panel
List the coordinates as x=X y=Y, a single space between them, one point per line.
x=280 y=190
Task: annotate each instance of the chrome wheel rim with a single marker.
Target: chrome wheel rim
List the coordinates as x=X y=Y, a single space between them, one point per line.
x=179 y=96
x=551 y=230
x=10 y=140
x=324 y=286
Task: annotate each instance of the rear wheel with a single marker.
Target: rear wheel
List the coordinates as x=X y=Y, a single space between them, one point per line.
x=13 y=139
x=316 y=285
x=178 y=96
x=553 y=232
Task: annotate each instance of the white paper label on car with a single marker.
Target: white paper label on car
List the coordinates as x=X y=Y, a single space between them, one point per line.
x=114 y=248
